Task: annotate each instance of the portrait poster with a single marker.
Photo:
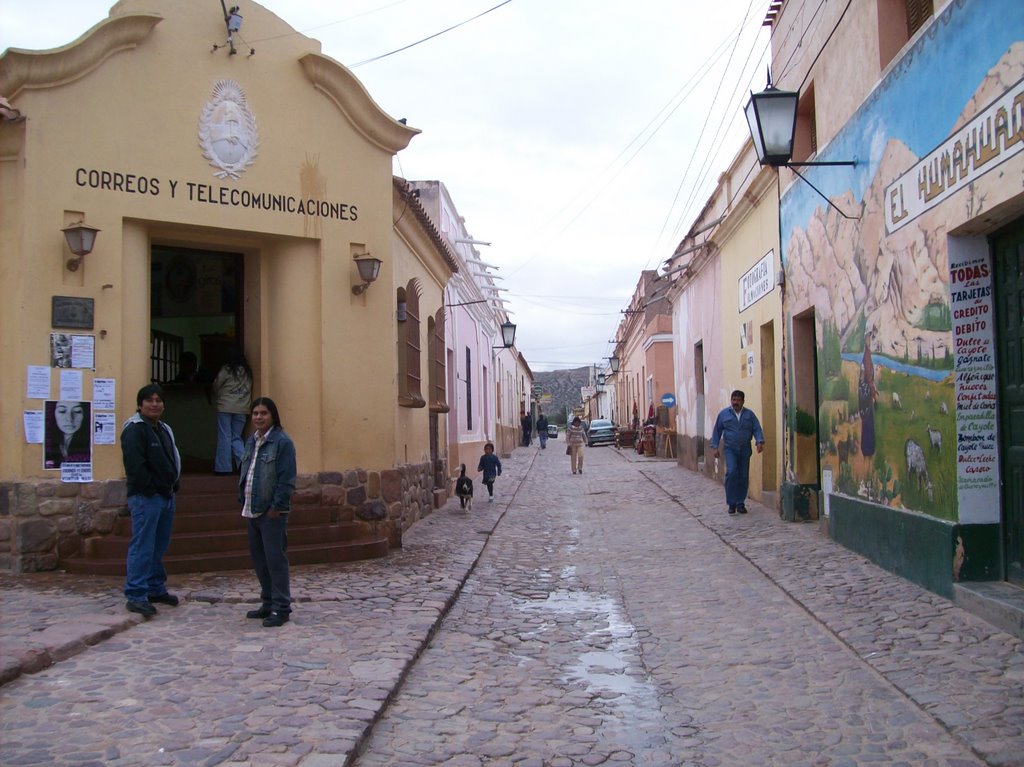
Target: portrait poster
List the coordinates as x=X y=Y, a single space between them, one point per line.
x=60 y=350
x=67 y=434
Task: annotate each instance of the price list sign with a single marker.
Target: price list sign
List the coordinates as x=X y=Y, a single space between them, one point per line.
x=977 y=446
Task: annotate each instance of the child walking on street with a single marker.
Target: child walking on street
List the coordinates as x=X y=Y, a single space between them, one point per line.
x=491 y=467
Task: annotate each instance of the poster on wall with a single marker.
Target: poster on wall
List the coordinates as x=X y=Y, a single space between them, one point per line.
x=67 y=434
x=977 y=417
x=33 y=423
x=103 y=429
x=70 y=385
x=60 y=350
x=37 y=382
x=83 y=352
x=103 y=393
x=72 y=351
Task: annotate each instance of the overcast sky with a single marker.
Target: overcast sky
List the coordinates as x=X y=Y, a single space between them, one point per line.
x=580 y=137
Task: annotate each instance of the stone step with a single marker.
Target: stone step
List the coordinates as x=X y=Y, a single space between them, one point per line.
x=1001 y=603
x=306 y=554
x=229 y=518
x=209 y=534
x=235 y=537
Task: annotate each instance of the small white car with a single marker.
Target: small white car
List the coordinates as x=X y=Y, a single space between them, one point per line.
x=552 y=431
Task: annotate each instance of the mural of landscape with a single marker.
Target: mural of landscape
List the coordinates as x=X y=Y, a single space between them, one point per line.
x=887 y=419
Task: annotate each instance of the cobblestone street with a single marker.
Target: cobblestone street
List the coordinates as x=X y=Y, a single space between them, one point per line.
x=618 y=617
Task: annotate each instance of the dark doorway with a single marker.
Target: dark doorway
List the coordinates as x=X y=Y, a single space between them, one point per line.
x=1008 y=258
x=195 y=311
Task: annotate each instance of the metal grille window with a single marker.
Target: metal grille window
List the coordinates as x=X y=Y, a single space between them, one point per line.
x=409 y=378
x=469 y=389
x=918 y=12
x=165 y=356
x=435 y=363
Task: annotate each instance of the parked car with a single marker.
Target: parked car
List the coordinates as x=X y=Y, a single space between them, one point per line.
x=552 y=431
x=601 y=432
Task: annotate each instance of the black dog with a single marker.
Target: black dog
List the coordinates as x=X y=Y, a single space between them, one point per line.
x=464 y=489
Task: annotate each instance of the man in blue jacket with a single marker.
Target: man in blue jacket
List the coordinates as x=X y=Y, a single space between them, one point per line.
x=152 y=468
x=736 y=426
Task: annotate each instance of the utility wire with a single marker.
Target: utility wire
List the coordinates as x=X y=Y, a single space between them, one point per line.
x=678 y=100
x=733 y=109
x=331 y=23
x=700 y=139
x=799 y=47
x=688 y=86
x=431 y=37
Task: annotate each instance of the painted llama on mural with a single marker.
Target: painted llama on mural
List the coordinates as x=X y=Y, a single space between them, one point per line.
x=904 y=320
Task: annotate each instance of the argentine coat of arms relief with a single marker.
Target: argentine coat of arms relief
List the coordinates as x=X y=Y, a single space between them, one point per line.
x=227 y=131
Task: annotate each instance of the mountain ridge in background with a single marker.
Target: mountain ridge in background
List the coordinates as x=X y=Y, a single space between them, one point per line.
x=564 y=387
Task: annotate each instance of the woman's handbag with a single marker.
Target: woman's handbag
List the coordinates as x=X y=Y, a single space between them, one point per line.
x=568 y=450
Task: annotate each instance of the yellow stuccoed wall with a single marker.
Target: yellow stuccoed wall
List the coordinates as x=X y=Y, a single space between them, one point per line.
x=127 y=97
x=743 y=242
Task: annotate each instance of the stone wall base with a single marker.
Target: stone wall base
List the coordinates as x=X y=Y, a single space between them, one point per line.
x=45 y=521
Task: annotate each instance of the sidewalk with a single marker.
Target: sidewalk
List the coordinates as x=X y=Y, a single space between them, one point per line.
x=961 y=670
x=49 y=617
x=358 y=629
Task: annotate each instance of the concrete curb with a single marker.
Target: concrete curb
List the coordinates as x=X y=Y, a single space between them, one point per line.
x=59 y=642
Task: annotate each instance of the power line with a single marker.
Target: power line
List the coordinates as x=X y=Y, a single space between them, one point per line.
x=732 y=108
x=678 y=99
x=431 y=37
x=700 y=138
x=332 y=23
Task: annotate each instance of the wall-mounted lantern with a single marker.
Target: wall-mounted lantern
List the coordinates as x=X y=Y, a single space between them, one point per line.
x=80 y=239
x=508 y=335
x=369 y=270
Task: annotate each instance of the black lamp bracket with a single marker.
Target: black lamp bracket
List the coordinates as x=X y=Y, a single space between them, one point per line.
x=793 y=167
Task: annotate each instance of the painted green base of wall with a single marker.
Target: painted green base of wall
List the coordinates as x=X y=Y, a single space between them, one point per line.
x=915 y=546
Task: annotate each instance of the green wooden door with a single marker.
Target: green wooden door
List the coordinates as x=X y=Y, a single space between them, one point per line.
x=1008 y=254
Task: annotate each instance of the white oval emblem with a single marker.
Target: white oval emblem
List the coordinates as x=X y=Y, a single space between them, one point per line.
x=227 y=131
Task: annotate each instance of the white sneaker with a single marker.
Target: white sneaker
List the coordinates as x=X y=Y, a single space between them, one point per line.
x=490 y=499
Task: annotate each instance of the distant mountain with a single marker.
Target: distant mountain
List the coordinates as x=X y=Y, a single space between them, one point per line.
x=564 y=387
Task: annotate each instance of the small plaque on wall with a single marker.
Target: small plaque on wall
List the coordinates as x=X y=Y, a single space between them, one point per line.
x=69 y=312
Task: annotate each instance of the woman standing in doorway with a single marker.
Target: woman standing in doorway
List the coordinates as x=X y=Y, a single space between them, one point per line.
x=265 y=493
x=232 y=391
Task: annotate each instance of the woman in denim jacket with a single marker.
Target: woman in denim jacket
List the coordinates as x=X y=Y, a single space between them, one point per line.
x=265 y=492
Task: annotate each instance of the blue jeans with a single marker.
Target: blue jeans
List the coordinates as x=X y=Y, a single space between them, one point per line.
x=543 y=440
x=737 y=475
x=268 y=547
x=152 y=519
x=229 y=441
